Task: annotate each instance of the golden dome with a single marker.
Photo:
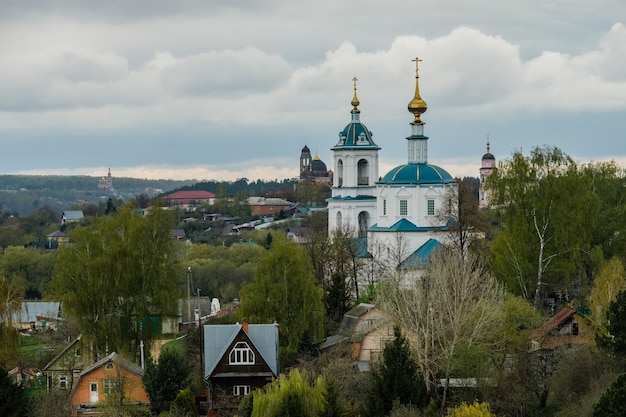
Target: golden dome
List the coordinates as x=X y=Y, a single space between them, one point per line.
x=417 y=106
x=355 y=100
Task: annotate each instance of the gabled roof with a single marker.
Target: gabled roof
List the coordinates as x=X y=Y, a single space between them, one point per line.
x=57 y=233
x=218 y=338
x=65 y=349
x=190 y=195
x=73 y=215
x=268 y=201
x=113 y=357
x=419 y=258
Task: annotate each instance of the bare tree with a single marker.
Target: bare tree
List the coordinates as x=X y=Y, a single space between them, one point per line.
x=455 y=304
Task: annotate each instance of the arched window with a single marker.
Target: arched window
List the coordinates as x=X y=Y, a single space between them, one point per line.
x=339 y=220
x=364 y=220
x=241 y=355
x=363 y=173
x=340 y=173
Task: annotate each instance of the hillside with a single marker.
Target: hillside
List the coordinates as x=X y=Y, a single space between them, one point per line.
x=23 y=194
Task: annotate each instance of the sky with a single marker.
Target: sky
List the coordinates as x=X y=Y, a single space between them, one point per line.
x=222 y=90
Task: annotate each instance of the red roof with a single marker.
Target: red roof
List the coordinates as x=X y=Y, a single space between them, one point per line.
x=190 y=195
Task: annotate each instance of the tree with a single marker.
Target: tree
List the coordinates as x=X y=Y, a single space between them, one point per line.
x=461 y=215
x=606 y=286
x=613 y=401
x=290 y=395
x=455 y=303
x=117 y=274
x=549 y=213
x=337 y=300
x=616 y=325
x=395 y=379
x=10 y=304
x=11 y=396
x=472 y=410
x=165 y=379
x=283 y=291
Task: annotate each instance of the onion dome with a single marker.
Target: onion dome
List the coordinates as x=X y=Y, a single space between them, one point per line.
x=355 y=134
x=417 y=174
x=488 y=155
x=318 y=166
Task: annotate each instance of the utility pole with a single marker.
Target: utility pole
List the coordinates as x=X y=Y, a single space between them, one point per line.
x=189 y=296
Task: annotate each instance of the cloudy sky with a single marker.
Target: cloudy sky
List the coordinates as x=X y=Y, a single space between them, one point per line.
x=210 y=89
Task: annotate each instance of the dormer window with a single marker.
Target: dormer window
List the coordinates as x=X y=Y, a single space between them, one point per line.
x=241 y=355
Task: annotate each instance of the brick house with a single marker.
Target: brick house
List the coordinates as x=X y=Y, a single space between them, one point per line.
x=111 y=378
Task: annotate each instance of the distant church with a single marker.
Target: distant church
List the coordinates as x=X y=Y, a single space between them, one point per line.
x=487 y=166
x=314 y=169
x=404 y=203
x=105 y=185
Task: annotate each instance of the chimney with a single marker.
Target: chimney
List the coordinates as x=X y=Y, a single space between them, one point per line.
x=244 y=326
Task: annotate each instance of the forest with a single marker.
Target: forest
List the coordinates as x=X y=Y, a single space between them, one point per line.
x=553 y=240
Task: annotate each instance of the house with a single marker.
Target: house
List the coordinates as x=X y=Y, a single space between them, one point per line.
x=559 y=330
x=368 y=329
x=111 y=378
x=57 y=238
x=64 y=369
x=238 y=359
x=178 y=234
x=38 y=315
x=189 y=199
x=72 y=216
x=300 y=234
x=267 y=206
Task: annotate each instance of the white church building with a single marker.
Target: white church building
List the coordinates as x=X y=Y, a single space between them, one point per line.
x=400 y=211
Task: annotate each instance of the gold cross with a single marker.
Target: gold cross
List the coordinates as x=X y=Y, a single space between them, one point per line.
x=417 y=61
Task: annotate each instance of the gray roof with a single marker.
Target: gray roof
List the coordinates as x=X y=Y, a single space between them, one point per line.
x=73 y=214
x=32 y=309
x=218 y=337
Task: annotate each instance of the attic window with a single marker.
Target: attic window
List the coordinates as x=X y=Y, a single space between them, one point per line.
x=63 y=382
x=241 y=390
x=109 y=365
x=241 y=355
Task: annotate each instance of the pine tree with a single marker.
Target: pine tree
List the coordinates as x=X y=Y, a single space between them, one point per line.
x=395 y=379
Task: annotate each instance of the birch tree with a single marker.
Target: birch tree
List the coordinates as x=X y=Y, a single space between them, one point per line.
x=455 y=305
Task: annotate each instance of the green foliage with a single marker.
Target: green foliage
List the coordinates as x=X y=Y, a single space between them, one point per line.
x=289 y=396
x=609 y=282
x=550 y=216
x=283 y=291
x=11 y=396
x=472 y=410
x=10 y=303
x=613 y=401
x=163 y=381
x=185 y=404
x=117 y=274
x=337 y=300
x=29 y=267
x=395 y=379
x=616 y=325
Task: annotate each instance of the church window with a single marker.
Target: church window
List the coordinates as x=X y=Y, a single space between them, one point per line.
x=241 y=355
x=404 y=207
x=430 y=207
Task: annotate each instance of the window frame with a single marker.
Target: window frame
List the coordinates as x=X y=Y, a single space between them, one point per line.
x=240 y=390
x=241 y=354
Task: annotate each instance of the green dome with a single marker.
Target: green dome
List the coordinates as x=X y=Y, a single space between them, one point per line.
x=355 y=135
x=417 y=174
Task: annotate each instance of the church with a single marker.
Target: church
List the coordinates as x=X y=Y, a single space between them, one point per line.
x=398 y=214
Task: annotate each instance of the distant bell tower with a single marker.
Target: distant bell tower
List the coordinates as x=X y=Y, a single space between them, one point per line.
x=305 y=161
x=487 y=166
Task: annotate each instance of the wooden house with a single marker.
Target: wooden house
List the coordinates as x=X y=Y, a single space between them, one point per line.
x=112 y=378
x=238 y=359
x=63 y=370
x=367 y=329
